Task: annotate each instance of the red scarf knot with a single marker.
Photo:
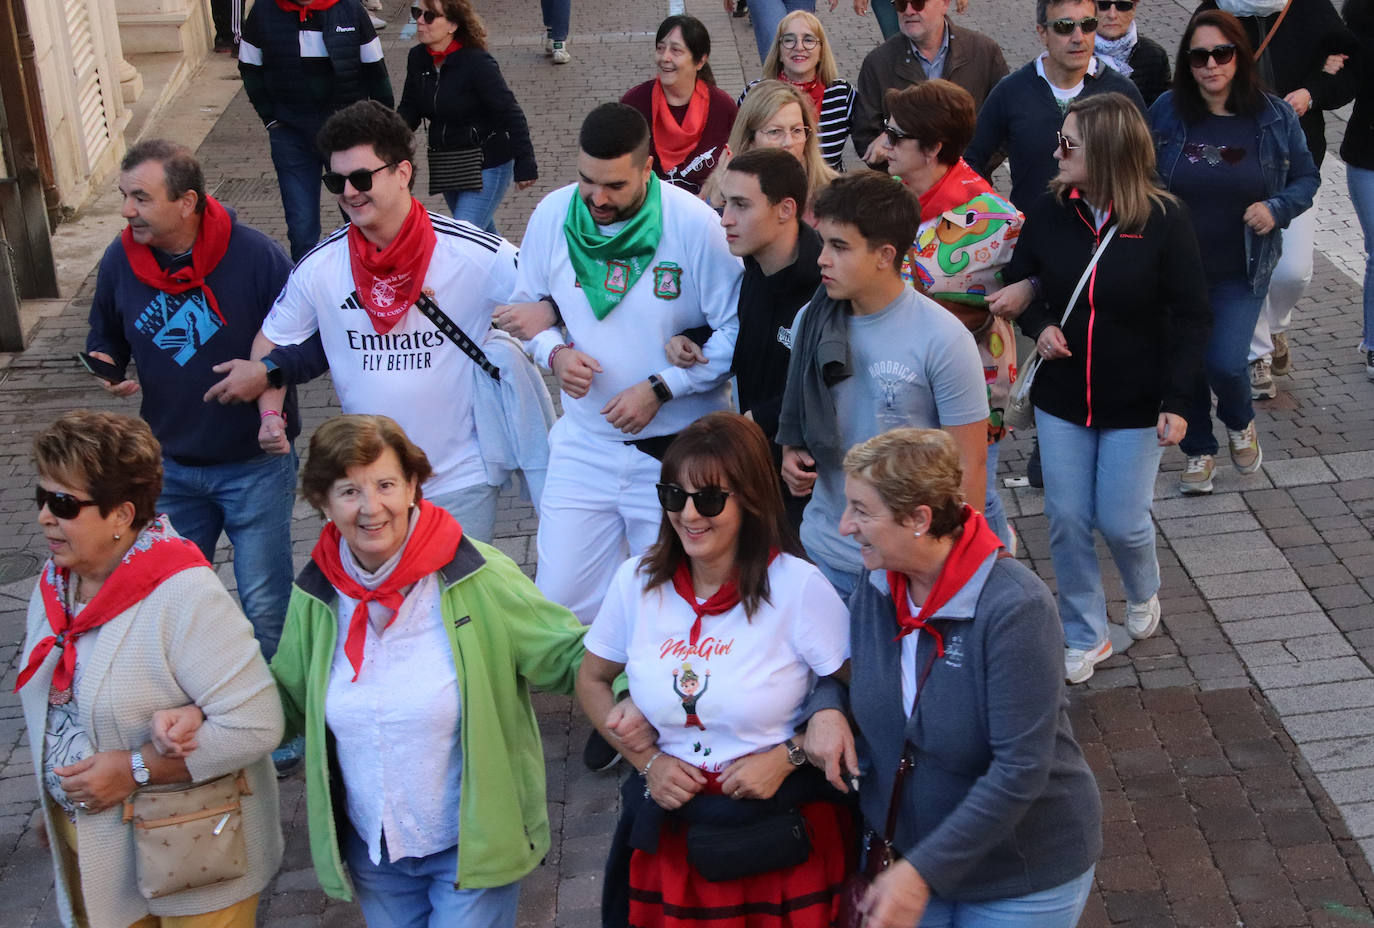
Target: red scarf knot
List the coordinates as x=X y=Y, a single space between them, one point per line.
x=722 y=600
x=814 y=89
x=389 y=280
x=431 y=546
x=438 y=57
x=154 y=556
x=212 y=241
x=968 y=554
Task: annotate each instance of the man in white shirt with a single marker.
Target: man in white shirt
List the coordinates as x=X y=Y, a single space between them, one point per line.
x=627 y=263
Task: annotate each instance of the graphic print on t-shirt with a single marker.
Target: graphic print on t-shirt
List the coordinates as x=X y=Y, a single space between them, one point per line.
x=897 y=405
x=179 y=323
x=690 y=690
x=392 y=351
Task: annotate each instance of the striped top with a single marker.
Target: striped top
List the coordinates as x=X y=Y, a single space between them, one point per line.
x=837 y=107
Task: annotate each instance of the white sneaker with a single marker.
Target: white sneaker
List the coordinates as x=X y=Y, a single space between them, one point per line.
x=377 y=23
x=560 y=53
x=1142 y=619
x=548 y=46
x=1079 y=664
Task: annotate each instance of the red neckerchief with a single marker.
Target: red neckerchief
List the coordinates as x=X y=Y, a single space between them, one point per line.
x=673 y=142
x=438 y=57
x=430 y=546
x=153 y=558
x=960 y=184
x=212 y=241
x=812 y=88
x=967 y=555
x=722 y=600
x=389 y=281
x=304 y=8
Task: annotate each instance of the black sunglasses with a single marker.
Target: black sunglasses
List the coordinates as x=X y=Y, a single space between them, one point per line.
x=900 y=5
x=895 y=135
x=429 y=16
x=1221 y=54
x=1122 y=6
x=62 y=505
x=1066 y=26
x=361 y=179
x=709 y=501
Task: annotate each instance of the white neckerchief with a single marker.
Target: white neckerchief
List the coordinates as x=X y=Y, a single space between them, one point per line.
x=1117 y=52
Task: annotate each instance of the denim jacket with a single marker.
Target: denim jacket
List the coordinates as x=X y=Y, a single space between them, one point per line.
x=1291 y=177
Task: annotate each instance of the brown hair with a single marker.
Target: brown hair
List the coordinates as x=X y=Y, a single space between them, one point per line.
x=471 y=31
x=826 y=69
x=356 y=441
x=910 y=468
x=879 y=206
x=1247 y=94
x=935 y=111
x=115 y=457
x=1120 y=157
x=723 y=448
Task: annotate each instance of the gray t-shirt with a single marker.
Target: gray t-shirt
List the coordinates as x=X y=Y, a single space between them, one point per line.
x=914 y=364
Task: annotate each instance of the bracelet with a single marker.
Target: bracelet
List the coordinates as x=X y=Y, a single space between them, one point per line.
x=271 y=412
x=553 y=354
x=645 y=772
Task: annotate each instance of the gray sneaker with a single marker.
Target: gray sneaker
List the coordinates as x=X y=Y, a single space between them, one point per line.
x=1197 y=475
x=1261 y=382
x=1245 y=449
x=1281 y=364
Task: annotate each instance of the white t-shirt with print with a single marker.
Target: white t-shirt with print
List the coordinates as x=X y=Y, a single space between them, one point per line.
x=740 y=689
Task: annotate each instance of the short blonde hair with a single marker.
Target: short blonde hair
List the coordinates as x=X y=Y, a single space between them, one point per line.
x=113 y=456
x=826 y=69
x=344 y=442
x=911 y=468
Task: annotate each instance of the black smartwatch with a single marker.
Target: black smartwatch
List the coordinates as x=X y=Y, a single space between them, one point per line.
x=274 y=374
x=660 y=388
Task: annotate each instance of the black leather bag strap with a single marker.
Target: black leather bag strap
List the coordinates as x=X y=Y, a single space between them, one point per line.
x=457 y=335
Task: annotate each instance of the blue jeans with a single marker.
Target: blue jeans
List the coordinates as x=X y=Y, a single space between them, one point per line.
x=1101 y=479
x=1226 y=369
x=886 y=16
x=556 y=16
x=1361 y=184
x=766 y=14
x=993 y=510
x=1059 y=907
x=251 y=502
x=419 y=892
x=479 y=206
x=474 y=507
x=299 y=167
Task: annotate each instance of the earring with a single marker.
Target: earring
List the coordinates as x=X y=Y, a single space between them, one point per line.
x=117 y=537
x=917 y=534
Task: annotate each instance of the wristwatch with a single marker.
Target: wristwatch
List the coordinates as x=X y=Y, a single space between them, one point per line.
x=661 y=390
x=141 y=774
x=274 y=374
x=795 y=755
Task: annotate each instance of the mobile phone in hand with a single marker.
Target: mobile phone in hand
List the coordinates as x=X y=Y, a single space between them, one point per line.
x=102 y=369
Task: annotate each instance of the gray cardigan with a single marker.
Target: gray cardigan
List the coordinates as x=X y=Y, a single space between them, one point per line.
x=1001 y=802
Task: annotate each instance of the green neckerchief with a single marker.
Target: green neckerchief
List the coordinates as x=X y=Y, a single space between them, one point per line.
x=608 y=266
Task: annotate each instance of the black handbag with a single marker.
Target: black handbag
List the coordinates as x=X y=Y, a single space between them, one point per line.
x=730 y=852
x=457 y=169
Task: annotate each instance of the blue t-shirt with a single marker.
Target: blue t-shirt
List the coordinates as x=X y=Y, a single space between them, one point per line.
x=914 y=364
x=1219 y=176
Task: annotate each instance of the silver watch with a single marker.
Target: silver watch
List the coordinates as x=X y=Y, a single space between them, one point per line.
x=141 y=774
x=795 y=755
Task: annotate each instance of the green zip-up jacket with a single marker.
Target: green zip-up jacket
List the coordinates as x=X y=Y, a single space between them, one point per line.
x=506 y=637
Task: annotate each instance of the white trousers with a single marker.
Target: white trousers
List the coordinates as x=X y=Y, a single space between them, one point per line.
x=599 y=507
x=1291 y=276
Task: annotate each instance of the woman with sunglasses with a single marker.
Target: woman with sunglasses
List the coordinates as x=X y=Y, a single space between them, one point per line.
x=801 y=56
x=722 y=628
x=689 y=116
x=1121 y=45
x=454 y=83
x=966 y=237
x=1238 y=157
x=131 y=636
x=1115 y=380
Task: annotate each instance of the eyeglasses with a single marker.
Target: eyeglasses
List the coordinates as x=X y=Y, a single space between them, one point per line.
x=1065 y=146
x=61 y=505
x=1066 y=26
x=361 y=179
x=901 y=5
x=895 y=135
x=710 y=501
x=429 y=16
x=1122 y=6
x=807 y=42
x=778 y=135
x=1221 y=54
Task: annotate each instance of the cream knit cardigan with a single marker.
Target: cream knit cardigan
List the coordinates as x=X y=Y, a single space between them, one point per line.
x=186 y=642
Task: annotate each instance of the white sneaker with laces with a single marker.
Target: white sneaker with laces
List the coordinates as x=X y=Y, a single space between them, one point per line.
x=1079 y=664
x=560 y=53
x=1142 y=619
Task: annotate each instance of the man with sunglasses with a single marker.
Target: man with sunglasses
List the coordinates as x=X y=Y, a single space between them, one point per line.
x=1121 y=45
x=183 y=289
x=302 y=60
x=1024 y=112
x=928 y=46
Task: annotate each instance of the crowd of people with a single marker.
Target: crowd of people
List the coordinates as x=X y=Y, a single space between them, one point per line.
x=773 y=561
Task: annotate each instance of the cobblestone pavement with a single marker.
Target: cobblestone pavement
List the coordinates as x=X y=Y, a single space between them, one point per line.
x=1234 y=752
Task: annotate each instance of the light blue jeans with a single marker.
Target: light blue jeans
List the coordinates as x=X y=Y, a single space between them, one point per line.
x=250 y=501
x=1101 y=479
x=479 y=206
x=474 y=507
x=765 y=16
x=1361 y=183
x=419 y=892
x=1059 y=907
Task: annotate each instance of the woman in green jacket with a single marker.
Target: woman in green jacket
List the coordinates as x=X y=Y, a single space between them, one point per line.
x=406 y=660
